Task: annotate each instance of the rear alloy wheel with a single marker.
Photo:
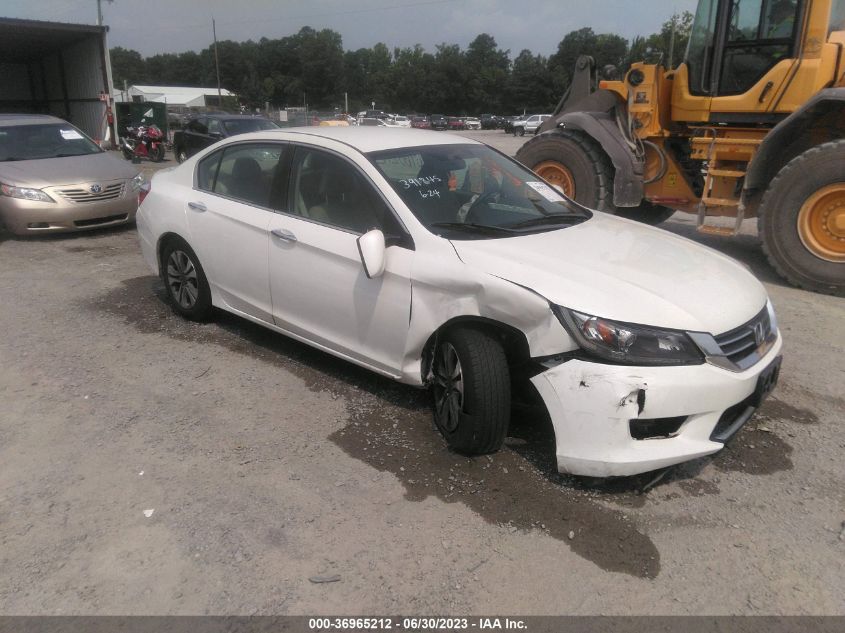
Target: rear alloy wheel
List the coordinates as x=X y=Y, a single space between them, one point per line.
x=184 y=278
x=181 y=155
x=471 y=391
x=801 y=220
x=574 y=162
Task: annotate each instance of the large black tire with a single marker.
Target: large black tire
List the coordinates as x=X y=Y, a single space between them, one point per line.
x=185 y=281
x=778 y=219
x=181 y=154
x=473 y=421
x=647 y=213
x=586 y=162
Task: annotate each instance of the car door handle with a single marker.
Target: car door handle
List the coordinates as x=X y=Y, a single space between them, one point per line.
x=197 y=206
x=284 y=234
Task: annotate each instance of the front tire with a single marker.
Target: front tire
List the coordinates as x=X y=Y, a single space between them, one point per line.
x=801 y=220
x=185 y=281
x=471 y=389
x=181 y=155
x=574 y=162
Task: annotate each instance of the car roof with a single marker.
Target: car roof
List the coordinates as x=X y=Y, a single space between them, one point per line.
x=227 y=117
x=364 y=139
x=8 y=120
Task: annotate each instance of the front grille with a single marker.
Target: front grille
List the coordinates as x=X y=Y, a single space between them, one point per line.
x=105 y=220
x=740 y=344
x=84 y=194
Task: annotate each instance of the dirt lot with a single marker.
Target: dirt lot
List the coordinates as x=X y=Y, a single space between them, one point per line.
x=151 y=465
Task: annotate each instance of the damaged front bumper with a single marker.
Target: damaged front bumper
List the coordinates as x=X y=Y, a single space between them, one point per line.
x=679 y=413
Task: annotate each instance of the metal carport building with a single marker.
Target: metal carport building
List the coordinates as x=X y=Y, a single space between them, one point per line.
x=56 y=68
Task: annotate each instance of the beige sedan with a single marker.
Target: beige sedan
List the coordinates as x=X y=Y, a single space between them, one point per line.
x=53 y=178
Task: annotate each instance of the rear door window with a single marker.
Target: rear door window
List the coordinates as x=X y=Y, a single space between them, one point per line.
x=247 y=172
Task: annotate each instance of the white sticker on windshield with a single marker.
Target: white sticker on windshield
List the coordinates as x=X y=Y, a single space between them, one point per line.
x=70 y=135
x=544 y=190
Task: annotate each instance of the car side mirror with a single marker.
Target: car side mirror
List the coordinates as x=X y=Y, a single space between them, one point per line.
x=216 y=134
x=372 y=250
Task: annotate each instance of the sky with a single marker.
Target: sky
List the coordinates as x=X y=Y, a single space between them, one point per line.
x=173 y=26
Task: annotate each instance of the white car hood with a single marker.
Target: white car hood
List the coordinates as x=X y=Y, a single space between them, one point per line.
x=625 y=271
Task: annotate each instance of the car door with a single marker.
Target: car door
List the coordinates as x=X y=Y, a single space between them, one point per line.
x=236 y=190
x=197 y=135
x=319 y=289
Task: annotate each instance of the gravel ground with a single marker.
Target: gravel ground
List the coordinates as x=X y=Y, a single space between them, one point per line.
x=156 y=466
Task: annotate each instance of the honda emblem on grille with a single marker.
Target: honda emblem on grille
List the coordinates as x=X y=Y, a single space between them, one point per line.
x=759 y=334
x=95 y=188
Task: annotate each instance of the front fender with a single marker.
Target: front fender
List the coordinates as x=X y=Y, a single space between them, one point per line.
x=603 y=129
x=441 y=293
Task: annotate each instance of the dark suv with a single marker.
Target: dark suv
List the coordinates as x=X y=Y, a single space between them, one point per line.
x=205 y=129
x=438 y=122
x=489 y=121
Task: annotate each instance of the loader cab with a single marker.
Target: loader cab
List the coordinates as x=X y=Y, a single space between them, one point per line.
x=739 y=57
x=735 y=43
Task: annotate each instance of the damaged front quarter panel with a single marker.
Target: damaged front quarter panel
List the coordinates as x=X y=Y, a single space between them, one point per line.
x=446 y=290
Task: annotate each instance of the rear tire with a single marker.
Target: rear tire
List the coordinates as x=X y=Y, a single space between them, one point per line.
x=804 y=242
x=572 y=160
x=185 y=281
x=157 y=154
x=471 y=391
x=647 y=213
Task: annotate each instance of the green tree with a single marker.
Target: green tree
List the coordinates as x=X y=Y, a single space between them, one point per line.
x=530 y=87
x=449 y=79
x=487 y=68
x=660 y=46
x=127 y=65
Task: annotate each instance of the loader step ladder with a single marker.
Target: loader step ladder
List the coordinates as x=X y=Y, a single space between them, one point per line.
x=726 y=159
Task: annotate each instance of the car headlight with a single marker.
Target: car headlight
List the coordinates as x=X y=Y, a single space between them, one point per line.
x=137 y=182
x=627 y=343
x=25 y=193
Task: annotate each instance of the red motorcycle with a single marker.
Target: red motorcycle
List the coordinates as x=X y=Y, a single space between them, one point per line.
x=144 y=141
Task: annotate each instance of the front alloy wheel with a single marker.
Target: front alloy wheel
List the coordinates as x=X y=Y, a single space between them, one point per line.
x=448 y=388
x=470 y=382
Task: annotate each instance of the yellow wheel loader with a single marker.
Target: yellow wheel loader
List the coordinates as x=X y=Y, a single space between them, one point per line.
x=751 y=124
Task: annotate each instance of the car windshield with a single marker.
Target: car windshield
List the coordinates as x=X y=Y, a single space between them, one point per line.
x=474 y=192
x=45 y=140
x=243 y=126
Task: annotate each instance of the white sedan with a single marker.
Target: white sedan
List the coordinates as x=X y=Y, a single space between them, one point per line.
x=441 y=263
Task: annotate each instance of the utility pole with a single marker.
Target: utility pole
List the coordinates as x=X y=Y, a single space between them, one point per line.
x=100 y=11
x=346 y=102
x=672 y=43
x=217 y=64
